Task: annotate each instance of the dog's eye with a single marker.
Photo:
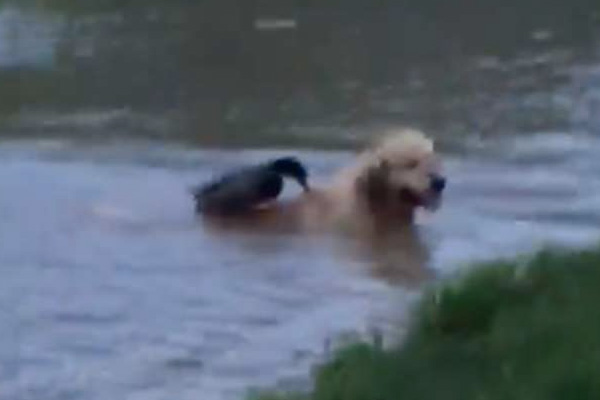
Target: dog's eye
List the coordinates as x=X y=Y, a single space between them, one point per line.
x=411 y=164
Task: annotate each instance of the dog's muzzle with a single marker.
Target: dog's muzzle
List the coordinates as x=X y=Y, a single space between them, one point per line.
x=433 y=198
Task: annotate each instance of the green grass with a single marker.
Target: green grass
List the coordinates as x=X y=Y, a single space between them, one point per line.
x=528 y=329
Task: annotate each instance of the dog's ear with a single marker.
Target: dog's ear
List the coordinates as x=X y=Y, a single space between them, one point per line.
x=373 y=182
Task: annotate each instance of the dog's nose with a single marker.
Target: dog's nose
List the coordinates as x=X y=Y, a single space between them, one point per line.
x=438 y=183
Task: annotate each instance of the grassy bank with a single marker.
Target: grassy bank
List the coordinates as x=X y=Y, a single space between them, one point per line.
x=512 y=330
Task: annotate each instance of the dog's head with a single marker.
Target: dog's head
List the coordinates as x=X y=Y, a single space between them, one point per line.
x=400 y=173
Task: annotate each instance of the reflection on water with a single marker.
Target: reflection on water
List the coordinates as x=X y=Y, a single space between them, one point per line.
x=111 y=288
x=27 y=39
x=210 y=72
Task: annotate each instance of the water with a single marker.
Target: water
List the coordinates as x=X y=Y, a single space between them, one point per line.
x=208 y=73
x=110 y=287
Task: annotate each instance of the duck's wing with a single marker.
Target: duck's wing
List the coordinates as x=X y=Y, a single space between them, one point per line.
x=223 y=182
x=239 y=191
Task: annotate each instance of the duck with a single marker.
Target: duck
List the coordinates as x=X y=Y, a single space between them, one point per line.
x=248 y=188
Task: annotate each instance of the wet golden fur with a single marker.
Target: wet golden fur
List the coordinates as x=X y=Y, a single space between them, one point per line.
x=381 y=190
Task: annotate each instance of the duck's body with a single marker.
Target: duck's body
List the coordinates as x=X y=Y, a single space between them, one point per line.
x=246 y=189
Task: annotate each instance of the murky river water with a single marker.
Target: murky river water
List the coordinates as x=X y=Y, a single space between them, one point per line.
x=110 y=288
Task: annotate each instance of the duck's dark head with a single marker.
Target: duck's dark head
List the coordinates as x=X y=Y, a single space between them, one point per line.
x=290 y=166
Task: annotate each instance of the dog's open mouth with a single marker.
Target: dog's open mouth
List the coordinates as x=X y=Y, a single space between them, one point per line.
x=430 y=200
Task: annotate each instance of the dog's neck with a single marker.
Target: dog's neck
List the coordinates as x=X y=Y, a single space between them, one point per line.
x=388 y=218
x=385 y=213
x=374 y=197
